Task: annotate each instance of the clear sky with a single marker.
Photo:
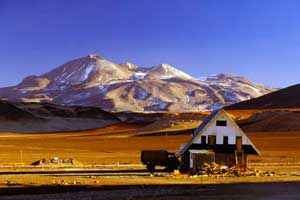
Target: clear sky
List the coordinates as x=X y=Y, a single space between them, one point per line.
x=259 y=39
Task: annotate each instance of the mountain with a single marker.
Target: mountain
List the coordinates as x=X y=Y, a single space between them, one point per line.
x=95 y=81
x=166 y=71
x=45 y=117
x=272 y=121
x=278 y=111
x=10 y=112
x=285 y=98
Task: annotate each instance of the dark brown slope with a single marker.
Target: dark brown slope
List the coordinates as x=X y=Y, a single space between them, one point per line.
x=45 y=117
x=272 y=121
x=285 y=98
x=273 y=112
x=8 y=111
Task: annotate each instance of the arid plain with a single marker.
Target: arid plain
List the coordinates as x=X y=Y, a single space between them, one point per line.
x=118 y=147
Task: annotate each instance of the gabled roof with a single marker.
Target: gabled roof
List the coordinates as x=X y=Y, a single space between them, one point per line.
x=206 y=122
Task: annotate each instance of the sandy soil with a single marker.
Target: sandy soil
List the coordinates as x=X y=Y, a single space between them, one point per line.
x=87 y=148
x=280 y=153
x=94 y=147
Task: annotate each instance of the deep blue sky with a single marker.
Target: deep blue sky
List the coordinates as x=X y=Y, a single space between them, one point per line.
x=259 y=39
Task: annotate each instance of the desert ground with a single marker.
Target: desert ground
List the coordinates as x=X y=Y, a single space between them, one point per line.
x=109 y=146
x=118 y=147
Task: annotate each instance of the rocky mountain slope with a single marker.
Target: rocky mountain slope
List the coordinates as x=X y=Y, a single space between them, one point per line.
x=96 y=81
x=44 y=117
x=273 y=112
x=272 y=121
x=10 y=112
x=285 y=98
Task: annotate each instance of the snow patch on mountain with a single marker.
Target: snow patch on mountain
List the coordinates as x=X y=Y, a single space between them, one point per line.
x=88 y=70
x=166 y=71
x=130 y=66
x=158 y=104
x=139 y=75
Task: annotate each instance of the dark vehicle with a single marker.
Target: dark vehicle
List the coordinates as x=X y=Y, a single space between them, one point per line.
x=153 y=158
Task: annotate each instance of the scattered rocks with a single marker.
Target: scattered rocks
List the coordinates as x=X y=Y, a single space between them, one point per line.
x=56 y=161
x=215 y=169
x=11 y=183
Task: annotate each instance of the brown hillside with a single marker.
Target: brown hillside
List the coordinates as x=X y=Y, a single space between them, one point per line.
x=285 y=98
x=11 y=112
x=272 y=121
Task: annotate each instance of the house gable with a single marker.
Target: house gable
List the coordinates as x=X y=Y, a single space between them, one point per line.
x=209 y=127
x=231 y=130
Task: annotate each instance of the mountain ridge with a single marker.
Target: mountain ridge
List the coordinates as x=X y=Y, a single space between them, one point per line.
x=45 y=117
x=284 y=98
x=95 y=81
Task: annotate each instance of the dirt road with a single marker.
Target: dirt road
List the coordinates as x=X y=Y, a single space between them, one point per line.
x=266 y=191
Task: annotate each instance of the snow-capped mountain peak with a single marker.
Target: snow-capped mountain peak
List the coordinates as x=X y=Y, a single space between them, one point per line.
x=129 y=65
x=95 y=81
x=95 y=56
x=166 y=71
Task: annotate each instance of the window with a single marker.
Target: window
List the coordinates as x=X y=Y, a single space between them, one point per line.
x=212 y=139
x=225 y=140
x=221 y=123
x=203 y=139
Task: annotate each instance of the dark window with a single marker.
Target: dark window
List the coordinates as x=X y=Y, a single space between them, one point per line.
x=225 y=140
x=212 y=139
x=203 y=139
x=221 y=123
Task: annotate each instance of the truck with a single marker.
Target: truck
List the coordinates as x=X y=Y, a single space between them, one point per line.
x=163 y=158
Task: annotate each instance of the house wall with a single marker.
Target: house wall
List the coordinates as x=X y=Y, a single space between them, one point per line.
x=230 y=130
x=227 y=159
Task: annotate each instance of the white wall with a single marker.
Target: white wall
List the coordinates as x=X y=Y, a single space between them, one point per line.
x=220 y=131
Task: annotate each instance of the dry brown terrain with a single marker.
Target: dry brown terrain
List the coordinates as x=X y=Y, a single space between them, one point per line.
x=88 y=148
x=111 y=146
x=115 y=145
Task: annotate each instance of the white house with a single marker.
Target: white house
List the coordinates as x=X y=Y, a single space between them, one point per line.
x=218 y=139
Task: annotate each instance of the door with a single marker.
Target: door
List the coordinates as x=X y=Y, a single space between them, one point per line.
x=200 y=159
